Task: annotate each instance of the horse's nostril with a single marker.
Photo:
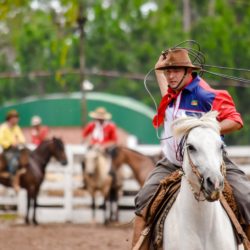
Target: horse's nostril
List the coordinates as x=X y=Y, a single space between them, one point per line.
x=209 y=182
x=214 y=183
x=64 y=162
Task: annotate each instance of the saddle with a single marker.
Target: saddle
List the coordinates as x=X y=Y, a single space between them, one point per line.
x=162 y=201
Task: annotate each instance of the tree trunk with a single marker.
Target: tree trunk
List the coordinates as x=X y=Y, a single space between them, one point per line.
x=186 y=15
x=211 y=7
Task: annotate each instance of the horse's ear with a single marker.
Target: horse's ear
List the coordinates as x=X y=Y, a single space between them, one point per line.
x=54 y=138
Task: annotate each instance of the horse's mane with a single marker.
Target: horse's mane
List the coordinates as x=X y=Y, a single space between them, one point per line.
x=183 y=125
x=136 y=152
x=151 y=157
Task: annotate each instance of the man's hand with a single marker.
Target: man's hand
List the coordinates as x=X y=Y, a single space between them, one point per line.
x=160 y=62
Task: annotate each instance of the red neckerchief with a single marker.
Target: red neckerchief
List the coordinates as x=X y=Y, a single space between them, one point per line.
x=165 y=101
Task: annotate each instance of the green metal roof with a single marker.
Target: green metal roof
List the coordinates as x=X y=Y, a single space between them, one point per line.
x=65 y=110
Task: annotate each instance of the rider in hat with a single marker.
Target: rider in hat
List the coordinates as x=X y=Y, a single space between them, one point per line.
x=102 y=131
x=12 y=141
x=100 y=134
x=39 y=132
x=185 y=93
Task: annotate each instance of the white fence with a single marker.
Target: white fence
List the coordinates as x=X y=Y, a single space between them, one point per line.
x=58 y=199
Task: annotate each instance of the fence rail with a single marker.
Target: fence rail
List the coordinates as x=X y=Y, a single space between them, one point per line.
x=62 y=200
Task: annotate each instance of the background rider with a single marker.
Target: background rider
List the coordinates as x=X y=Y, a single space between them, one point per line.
x=39 y=132
x=101 y=131
x=12 y=141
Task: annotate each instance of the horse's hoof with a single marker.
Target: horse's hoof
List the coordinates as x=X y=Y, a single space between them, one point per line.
x=27 y=221
x=106 y=222
x=35 y=223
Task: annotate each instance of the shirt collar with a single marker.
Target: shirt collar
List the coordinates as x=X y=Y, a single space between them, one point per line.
x=194 y=82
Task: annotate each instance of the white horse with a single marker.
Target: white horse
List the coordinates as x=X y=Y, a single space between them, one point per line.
x=197 y=220
x=97 y=178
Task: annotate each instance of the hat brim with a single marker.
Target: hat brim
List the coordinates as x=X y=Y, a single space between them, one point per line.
x=11 y=116
x=106 y=116
x=178 y=66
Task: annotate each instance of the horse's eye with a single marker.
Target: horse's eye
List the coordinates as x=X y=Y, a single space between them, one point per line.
x=191 y=147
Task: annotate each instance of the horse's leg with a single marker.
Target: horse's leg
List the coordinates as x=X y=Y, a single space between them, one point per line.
x=28 y=209
x=105 y=215
x=114 y=189
x=93 y=207
x=34 y=212
x=114 y=204
x=106 y=196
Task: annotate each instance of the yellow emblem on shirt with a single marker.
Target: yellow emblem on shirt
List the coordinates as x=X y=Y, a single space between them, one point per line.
x=194 y=102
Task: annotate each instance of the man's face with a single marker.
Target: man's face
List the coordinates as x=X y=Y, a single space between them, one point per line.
x=14 y=120
x=100 y=120
x=174 y=77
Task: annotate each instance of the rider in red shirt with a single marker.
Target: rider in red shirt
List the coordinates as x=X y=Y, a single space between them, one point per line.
x=101 y=131
x=38 y=132
x=100 y=134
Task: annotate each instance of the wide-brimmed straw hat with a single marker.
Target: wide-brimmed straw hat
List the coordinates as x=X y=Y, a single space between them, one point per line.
x=36 y=120
x=100 y=113
x=177 y=57
x=11 y=113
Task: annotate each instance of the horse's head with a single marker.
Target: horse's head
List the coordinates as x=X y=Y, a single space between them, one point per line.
x=201 y=149
x=58 y=151
x=91 y=161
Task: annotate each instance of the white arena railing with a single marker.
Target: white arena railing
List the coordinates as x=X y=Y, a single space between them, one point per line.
x=57 y=202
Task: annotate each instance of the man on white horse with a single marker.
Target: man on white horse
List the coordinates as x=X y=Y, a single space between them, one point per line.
x=187 y=94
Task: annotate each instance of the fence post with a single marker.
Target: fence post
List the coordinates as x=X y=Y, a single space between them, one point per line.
x=22 y=202
x=68 y=196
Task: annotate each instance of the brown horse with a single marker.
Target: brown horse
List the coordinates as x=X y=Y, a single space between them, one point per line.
x=140 y=164
x=32 y=179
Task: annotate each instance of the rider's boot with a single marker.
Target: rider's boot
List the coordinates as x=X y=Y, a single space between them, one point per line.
x=16 y=183
x=16 y=179
x=140 y=239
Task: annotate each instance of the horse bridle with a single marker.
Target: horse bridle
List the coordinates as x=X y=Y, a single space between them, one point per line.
x=198 y=175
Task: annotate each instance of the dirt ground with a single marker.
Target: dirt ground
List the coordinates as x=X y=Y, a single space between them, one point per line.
x=65 y=237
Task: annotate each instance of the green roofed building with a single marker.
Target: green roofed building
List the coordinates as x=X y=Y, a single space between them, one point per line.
x=64 y=110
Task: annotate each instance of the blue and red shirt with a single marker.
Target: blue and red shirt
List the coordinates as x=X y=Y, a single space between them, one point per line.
x=196 y=99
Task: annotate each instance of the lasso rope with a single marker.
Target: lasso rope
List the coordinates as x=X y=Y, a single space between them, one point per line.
x=198 y=59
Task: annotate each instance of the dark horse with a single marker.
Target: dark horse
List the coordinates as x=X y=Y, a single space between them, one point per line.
x=32 y=179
